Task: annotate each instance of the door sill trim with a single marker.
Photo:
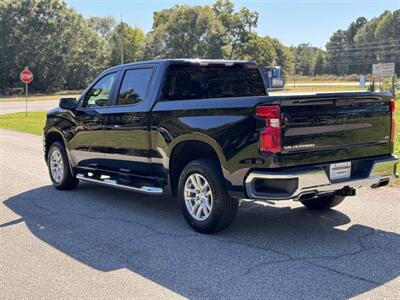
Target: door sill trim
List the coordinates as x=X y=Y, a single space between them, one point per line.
x=108 y=182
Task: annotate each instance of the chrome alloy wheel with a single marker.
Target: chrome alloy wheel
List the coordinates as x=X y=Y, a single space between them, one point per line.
x=198 y=197
x=56 y=165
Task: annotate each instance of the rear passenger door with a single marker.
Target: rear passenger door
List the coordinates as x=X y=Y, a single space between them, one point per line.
x=127 y=124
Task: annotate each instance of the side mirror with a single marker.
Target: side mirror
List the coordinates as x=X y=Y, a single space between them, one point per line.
x=68 y=103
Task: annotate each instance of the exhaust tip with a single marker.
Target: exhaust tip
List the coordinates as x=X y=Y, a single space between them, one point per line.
x=308 y=196
x=381 y=183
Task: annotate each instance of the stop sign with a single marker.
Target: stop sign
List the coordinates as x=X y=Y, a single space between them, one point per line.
x=26 y=76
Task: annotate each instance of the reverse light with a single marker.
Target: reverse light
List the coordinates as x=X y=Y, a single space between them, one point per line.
x=392 y=124
x=270 y=136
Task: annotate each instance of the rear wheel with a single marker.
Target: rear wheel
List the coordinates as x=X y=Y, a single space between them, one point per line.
x=205 y=204
x=59 y=170
x=324 y=202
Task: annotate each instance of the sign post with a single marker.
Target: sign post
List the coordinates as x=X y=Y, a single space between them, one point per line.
x=26 y=77
x=362 y=81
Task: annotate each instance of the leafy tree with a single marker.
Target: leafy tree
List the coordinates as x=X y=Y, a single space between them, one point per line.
x=335 y=48
x=320 y=63
x=354 y=28
x=102 y=25
x=132 y=45
x=260 y=49
x=364 y=43
x=238 y=27
x=305 y=59
x=350 y=55
x=387 y=36
x=284 y=57
x=364 y=46
x=65 y=50
x=86 y=53
x=185 y=31
x=53 y=40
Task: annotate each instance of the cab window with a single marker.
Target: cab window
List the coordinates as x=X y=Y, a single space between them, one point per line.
x=188 y=82
x=134 y=86
x=100 y=93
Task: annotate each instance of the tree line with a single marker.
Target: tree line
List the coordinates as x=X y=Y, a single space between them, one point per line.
x=355 y=49
x=64 y=50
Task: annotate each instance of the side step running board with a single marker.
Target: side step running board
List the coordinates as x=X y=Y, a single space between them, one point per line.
x=144 y=189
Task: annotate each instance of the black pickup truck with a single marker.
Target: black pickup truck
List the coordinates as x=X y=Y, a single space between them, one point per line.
x=207 y=132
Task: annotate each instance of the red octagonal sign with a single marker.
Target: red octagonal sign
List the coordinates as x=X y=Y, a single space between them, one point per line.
x=26 y=76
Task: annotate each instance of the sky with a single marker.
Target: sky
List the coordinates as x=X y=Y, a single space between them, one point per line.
x=292 y=22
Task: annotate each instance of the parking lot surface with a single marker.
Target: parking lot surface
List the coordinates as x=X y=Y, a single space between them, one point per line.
x=102 y=243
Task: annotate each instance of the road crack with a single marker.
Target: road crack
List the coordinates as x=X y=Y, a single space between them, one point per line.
x=287 y=257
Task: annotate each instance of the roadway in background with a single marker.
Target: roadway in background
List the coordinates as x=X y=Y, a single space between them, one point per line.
x=13 y=107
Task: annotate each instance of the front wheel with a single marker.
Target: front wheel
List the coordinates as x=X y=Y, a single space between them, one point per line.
x=59 y=170
x=324 y=202
x=205 y=204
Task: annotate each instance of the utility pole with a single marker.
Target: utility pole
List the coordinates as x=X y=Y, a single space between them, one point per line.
x=294 y=75
x=121 y=41
x=393 y=87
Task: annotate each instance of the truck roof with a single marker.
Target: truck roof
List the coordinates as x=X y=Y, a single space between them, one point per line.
x=184 y=60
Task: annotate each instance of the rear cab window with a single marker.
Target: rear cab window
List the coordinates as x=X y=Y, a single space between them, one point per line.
x=195 y=81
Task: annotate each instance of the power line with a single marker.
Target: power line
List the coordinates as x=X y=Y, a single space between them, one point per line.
x=368 y=54
x=375 y=43
x=364 y=48
x=352 y=63
x=361 y=60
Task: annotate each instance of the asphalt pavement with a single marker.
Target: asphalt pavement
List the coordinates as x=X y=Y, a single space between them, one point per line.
x=13 y=107
x=101 y=243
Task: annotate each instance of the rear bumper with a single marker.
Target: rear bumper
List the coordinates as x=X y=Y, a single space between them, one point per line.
x=314 y=181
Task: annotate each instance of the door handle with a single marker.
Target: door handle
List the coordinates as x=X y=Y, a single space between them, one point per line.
x=136 y=119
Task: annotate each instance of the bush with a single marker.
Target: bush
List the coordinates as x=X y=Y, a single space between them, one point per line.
x=371 y=87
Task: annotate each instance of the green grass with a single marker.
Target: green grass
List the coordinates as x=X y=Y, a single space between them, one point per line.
x=33 y=123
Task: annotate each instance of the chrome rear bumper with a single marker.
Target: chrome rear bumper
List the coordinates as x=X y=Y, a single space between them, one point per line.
x=314 y=181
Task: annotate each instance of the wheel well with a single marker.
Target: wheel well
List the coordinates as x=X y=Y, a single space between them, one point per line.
x=50 y=139
x=182 y=154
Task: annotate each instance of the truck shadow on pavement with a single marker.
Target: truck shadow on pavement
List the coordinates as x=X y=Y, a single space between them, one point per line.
x=268 y=252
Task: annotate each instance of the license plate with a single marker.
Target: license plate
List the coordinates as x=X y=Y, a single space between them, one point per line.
x=340 y=170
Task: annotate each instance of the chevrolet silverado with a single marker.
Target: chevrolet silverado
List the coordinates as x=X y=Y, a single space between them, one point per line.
x=207 y=132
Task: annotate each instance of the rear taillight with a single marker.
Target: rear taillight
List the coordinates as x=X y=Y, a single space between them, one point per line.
x=393 y=124
x=270 y=136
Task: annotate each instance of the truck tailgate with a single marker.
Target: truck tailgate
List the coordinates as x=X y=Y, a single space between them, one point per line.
x=353 y=124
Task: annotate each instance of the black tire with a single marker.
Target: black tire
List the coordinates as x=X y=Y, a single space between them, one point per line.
x=324 y=202
x=68 y=181
x=224 y=207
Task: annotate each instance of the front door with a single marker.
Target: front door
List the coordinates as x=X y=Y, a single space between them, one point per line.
x=87 y=143
x=127 y=124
